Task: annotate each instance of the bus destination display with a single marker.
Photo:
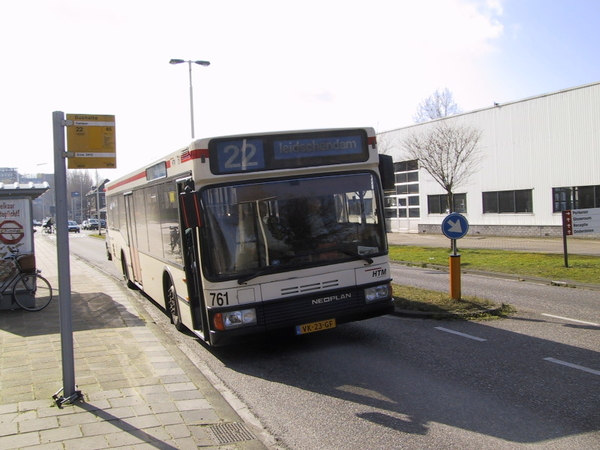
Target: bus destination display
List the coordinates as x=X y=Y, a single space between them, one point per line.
x=286 y=151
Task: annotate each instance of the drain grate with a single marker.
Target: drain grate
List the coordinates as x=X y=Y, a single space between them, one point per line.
x=228 y=433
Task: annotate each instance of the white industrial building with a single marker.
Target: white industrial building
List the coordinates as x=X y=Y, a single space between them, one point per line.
x=541 y=155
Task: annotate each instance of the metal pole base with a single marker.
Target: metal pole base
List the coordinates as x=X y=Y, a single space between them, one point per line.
x=60 y=400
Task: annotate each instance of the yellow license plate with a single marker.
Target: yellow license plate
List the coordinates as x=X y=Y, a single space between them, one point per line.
x=315 y=326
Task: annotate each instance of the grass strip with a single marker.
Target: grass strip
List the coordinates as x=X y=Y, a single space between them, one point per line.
x=440 y=305
x=582 y=268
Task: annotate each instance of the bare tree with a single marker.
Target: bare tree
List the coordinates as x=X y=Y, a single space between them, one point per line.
x=385 y=144
x=437 y=105
x=79 y=183
x=449 y=153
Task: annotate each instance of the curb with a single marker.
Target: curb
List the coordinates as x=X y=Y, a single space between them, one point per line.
x=446 y=315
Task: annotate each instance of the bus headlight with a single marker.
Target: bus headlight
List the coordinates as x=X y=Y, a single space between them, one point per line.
x=233 y=319
x=375 y=293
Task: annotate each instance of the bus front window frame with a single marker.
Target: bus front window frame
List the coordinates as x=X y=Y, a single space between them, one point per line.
x=269 y=226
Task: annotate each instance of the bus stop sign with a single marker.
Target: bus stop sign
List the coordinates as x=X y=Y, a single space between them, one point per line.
x=91 y=140
x=455 y=226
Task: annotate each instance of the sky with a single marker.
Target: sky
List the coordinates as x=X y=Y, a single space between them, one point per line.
x=274 y=65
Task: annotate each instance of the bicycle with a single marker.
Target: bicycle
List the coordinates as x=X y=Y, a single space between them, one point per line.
x=30 y=290
x=48 y=227
x=174 y=237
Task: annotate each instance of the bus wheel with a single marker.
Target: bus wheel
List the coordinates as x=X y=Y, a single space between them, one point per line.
x=130 y=283
x=173 y=306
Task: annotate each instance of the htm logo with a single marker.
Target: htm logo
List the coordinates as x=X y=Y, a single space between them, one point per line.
x=378 y=272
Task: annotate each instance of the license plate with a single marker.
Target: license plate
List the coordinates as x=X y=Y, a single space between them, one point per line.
x=315 y=326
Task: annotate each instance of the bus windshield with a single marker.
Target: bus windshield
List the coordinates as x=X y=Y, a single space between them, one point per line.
x=267 y=226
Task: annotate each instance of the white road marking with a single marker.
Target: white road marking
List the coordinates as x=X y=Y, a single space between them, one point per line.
x=573 y=320
x=475 y=338
x=574 y=366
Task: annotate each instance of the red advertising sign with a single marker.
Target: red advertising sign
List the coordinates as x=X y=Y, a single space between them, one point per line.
x=11 y=232
x=15 y=224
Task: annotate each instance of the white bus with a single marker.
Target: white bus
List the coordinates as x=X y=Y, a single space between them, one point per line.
x=241 y=235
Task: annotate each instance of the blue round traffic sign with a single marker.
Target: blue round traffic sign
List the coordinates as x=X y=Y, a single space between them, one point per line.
x=455 y=226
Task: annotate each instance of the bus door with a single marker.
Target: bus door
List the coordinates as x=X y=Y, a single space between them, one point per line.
x=132 y=239
x=189 y=223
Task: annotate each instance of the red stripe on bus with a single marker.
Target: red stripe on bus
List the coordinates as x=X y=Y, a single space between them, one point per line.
x=127 y=180
x=199 y=153
x=194 y=154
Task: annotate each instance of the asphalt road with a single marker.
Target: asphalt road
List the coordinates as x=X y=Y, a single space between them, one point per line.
x=531 y=381
x=527 y=296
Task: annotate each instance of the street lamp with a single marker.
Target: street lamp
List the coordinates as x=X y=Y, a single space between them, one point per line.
x=200 y=63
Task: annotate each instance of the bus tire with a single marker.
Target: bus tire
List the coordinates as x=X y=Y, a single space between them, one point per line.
x=173 y=305
x=130 y=283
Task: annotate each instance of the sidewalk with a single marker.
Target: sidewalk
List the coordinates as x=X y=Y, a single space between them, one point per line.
x=139 y=390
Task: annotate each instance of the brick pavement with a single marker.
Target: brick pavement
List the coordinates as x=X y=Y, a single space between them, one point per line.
x=139 y=390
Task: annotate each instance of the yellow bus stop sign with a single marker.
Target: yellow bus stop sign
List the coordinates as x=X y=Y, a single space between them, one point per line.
x=91 y=141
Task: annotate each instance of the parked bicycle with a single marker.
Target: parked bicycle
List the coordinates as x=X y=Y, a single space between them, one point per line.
x=174 y=237
x=28 y=288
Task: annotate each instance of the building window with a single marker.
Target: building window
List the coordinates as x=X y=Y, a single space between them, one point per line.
x=434 y=203
x=562 y=199
x=406 y=166
x=508 y=201
x=578 y=197
x=438 y=204
x=407 y=191
x=413 y=200
x=391 y=213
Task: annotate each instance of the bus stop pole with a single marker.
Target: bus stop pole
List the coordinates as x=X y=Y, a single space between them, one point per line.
x=69 y=392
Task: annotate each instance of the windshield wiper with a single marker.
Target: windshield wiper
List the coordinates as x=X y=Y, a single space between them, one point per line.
x=277 y=268
x=258 y=273
x=351 y=253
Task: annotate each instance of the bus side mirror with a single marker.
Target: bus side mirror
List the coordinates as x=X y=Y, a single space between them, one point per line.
x=386 y=171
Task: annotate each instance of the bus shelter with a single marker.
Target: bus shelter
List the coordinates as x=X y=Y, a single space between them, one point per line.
x=16 y=226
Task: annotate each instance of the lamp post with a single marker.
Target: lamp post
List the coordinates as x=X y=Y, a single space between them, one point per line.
x=200 y=63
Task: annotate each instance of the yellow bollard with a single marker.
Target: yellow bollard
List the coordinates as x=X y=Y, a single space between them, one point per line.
x=454 y=264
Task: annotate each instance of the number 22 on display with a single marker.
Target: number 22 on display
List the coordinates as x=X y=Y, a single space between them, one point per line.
x=241 y=158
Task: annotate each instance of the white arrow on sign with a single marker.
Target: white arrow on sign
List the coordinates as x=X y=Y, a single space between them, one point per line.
x=455 y=226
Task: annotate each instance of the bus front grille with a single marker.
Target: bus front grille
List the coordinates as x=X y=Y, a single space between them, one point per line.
x=309 y=287
x=298 y=309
